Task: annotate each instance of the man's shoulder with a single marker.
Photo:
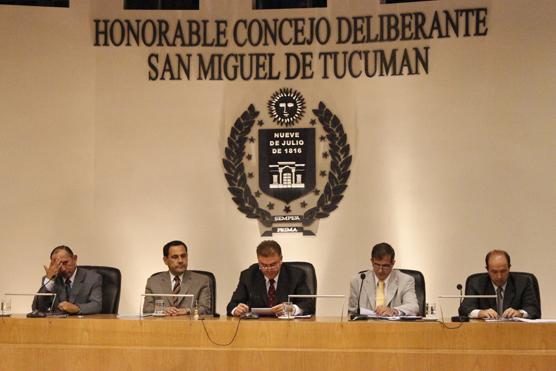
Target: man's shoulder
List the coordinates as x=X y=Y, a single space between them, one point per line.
x=89 y=274
x=294 y=271
x=402 y=277
x=401 y=274
x=253 y=268
x=157 y=276
x=477 y=278
x=199 y=277
x=521 y=279
x=357 y=277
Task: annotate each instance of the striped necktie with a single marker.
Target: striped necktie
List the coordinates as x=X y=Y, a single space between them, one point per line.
x=176 y=290
x=499 y=300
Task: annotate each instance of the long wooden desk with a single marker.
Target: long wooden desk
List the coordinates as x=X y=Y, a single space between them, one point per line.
x=109 y=343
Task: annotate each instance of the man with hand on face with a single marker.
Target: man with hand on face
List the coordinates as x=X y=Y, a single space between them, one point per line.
x=78 y=290
x=515 y=295
x=386 y=291
x=268 y=284
x=178 y=280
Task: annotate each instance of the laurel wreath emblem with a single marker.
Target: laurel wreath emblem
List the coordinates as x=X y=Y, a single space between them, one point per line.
x=338 y=174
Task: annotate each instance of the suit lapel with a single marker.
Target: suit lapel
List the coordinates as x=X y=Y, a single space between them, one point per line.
x=184 y=287
x=282 y=286
x=509 y=293
x=76 y=285
x=392 y=288
x=165 y=286
x=260 y=287
x=489 y=290
x=371 y=290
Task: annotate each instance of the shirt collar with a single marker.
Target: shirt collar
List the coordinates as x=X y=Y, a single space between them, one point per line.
x=503 y=286
x=172 y=277
x=72 y=278
x=385 y=281
x=266 y=279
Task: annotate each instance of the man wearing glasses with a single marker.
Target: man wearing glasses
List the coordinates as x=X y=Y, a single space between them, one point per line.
x=386 y=291
x=268 y=284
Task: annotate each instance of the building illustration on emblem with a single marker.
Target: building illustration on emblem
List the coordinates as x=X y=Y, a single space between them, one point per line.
x=287 y=174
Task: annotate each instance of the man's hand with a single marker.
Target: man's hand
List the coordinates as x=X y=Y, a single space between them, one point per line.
x=382 y=310
x=68 y=307
x=173 y=311
x=511 y=313
x=52 y=270
x=488 y=313
x=240 y=310
x=278 y=309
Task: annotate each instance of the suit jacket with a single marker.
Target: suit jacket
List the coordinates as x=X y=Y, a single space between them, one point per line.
x=400 y=293
x=519 y=294
x=86 y=291
x=251 y=289
x=192 y=283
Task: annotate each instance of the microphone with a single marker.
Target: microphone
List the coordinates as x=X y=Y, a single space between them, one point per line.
x=358 y=316
x=37 y=313
x=460 y=318
x=460 y=288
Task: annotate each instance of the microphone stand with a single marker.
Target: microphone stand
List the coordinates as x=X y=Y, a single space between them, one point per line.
x=357 y=316
x=459 y=317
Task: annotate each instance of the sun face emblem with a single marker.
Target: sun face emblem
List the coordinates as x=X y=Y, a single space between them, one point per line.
x=286 y=107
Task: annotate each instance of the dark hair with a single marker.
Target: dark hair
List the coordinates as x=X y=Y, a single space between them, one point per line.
x=268 y=248
x=497 y=252
x=381 y=250
x=61 y=247
x=166 y=247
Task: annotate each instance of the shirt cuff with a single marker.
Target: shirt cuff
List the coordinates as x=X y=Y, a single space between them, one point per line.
x=48 y=284
x=524 y=313
x=298 y=311
x=474 y=313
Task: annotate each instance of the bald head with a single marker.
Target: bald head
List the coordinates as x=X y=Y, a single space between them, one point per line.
x=498 y=266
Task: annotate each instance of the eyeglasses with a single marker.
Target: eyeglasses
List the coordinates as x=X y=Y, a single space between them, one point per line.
x=269 y=267
x=384 y=267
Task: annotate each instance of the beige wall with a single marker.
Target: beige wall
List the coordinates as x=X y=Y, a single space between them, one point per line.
x=446 y=165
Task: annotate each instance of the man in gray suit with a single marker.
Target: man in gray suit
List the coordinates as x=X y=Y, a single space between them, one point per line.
x=386 y=291
x=78 y=290
x=178 y=280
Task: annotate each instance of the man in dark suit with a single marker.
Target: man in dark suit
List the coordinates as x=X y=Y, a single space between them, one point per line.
x=516 y=295
x=178 y=280
x=268 y=284
x=78 y=290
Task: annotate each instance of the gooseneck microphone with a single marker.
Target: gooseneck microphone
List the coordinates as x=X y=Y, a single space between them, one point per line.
x=363 y=276
x=460 y=318
x=460 y=288
x=358 y=316
x=37 y=313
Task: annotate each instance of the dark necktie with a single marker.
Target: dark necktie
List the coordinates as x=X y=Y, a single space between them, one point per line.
x=271 y=293
x=68 y=289
x=499 y=301
x=176 y=290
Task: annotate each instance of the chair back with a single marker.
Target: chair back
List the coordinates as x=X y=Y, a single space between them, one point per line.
x=528 y=275
x=111 y=287
x=310 y=273
x=419 y=288
x=212 y=287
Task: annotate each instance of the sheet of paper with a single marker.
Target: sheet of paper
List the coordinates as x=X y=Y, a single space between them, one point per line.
x=527 y=320
x=262 y=311
x=368 y=312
